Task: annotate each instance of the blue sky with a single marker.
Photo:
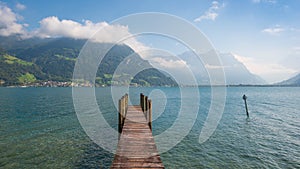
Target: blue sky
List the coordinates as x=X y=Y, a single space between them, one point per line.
x=263 y=34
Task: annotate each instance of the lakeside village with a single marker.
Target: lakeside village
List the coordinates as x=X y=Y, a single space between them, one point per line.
x=63 y=84
x=82 y=83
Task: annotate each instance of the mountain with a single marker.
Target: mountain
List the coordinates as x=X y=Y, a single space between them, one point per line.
x=14 y=71
x=16 y=42
x=54 y=59
x=235 y=72
x=294 y=81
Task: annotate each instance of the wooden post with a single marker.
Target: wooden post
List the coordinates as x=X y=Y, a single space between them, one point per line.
x=123 y=109
x=150 y=114
x=126 y=104
x=123 y=106
x=120 y=116
x=245 y=98
x=146 y=106
x=142 y=101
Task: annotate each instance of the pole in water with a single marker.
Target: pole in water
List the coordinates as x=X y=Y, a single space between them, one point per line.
x=245 y=99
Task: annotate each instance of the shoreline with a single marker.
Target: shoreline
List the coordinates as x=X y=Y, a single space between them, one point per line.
x=104 y=86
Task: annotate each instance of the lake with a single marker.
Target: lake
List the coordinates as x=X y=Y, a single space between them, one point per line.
x=39 y=128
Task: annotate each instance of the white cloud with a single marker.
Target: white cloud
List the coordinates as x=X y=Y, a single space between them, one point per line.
x=272 y=72
x=209 y=66
x=20 y=6
x=137 y=46
x=9 y=22
x=103 y=32
x=273 y=30
x=53 y=27
x=211 y=13
x=171 y=64
x=208 y=16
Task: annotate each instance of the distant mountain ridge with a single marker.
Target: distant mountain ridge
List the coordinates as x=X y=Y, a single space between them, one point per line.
x=235 y=72
x=54 y=59
x=293 y=81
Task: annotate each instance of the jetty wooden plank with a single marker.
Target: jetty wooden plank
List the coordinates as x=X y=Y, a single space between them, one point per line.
x=136 y=147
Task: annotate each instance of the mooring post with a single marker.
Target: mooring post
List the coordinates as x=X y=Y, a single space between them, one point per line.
x=124 y=110
x=123 y=106
x=142 y=101
x=141 y=95
x=146 y=108
x=150 y=114
x=245 y=99
x=126 y=104
x=120 y=116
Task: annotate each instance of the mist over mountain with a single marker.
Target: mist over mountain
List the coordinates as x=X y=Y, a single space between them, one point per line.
x=14 y=42
x=293 y=81
x=235 y=72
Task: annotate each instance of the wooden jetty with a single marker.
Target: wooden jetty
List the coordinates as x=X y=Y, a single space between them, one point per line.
x=136 y=147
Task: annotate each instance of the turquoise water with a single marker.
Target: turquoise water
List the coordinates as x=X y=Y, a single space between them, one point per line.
x=39 y=129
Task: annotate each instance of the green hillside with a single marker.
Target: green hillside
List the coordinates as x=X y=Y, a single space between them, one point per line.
x=54 y=60
x=14 y=71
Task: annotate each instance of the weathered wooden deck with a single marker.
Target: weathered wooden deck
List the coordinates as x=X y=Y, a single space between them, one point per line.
x=136 y=147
